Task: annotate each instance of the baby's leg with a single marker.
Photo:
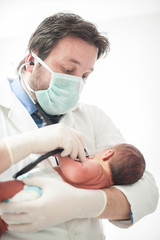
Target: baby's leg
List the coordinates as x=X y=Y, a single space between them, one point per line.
x=7 y=190
x=16 y=191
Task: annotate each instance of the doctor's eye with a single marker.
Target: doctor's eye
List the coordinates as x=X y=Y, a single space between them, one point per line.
x=67 y=71
x=84 y=77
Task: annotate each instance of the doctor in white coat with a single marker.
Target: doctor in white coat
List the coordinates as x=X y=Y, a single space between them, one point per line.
x=62 y=54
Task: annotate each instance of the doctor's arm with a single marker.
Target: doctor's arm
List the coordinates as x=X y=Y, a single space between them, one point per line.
x=131 y=202
x=62 y=202
x=59 y=203
x=17 y=147
x=117 y=207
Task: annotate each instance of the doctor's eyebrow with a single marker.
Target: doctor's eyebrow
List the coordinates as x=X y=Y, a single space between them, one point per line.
x=78 y=63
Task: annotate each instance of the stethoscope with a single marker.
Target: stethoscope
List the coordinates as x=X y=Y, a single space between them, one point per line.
x=31 y=165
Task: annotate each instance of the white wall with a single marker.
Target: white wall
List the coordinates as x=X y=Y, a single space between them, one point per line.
x=125 y=84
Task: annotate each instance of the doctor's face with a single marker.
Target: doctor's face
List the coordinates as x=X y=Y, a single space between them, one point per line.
x=72 y=56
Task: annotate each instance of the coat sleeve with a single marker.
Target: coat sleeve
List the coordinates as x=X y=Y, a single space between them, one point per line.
x=142 y=196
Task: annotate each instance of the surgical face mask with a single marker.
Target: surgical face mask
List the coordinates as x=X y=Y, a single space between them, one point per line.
x=63 y=92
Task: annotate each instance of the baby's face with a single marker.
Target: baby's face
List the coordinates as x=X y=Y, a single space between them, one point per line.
x=104 y=163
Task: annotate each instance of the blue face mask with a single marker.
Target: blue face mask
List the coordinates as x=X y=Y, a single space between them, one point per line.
x=63 y=92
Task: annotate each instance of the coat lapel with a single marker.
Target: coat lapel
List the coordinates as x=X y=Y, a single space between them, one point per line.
x=17 y=113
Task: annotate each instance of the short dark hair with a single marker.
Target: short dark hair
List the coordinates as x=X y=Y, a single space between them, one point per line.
x=127 y=165
x=60 y=25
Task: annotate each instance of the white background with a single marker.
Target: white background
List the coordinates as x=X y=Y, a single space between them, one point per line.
x=125 y=84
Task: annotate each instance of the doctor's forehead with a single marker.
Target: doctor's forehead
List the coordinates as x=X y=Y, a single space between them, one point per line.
x=76 y=50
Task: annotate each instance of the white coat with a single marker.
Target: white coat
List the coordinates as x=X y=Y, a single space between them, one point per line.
x=98 y=132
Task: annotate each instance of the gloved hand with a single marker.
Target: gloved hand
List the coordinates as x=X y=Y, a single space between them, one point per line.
x=44 y=140
x=59 y=203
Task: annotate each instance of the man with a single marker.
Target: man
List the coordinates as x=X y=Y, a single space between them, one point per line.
x=62 y=54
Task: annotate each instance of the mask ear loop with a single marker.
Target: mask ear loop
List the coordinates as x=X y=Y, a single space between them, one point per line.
x=41 y=62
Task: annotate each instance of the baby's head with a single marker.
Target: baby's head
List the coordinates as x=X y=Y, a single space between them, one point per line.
x=125 y=162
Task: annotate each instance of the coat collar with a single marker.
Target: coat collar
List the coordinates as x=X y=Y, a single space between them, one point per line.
x=16 y=112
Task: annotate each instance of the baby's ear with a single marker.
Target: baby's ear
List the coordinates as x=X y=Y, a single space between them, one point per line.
x=107 y=154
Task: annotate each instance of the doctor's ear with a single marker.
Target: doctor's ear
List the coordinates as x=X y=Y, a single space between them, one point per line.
x=30 y=61
x=107 y=154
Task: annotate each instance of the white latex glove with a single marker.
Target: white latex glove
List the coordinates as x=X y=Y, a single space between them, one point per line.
x=44 y=140
x=60 y=202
